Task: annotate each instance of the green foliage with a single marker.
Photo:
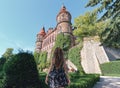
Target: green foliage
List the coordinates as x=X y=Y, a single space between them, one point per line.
x=64 y=42
x=112 y=67
x=2 y=61
x=74 y=56
x=42 y=79
x=84 y=81
x=21 y=72
x=41 y=60
x=8 y=53
x=111 y=35
x=87 y=25
x=77 y=81
x=112 y=7
x=36 y=56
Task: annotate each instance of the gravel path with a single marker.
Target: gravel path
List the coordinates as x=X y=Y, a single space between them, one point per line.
x=108 y=82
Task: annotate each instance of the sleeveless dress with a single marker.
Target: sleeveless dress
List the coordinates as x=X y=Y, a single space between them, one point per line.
x=57 y=78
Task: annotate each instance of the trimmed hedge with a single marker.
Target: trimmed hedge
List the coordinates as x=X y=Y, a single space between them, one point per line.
x=77 y=81
x=84 y=81
x=21 y=72
x=110 y=68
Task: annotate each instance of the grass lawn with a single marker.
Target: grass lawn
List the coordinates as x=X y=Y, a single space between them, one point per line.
x=115 y=75
x=111 y=68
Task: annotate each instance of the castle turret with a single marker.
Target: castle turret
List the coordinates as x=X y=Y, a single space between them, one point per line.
x=39 y=41
x=64 y=21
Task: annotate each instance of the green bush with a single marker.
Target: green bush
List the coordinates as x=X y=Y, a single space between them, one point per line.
x=77 y=81
x=118 y=59
x=42 y=79
x=41 y=60
x=84 y=81
x=112 y=68
x=74 y=56
x=21 y=72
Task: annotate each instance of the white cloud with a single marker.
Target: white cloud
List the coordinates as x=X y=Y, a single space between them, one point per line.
x=15 y=44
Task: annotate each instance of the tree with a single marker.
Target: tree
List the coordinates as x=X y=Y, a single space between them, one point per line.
x=112 y=7
x=21 y=72
x=110 y=36
x=8 y=53
x=87 y=25
x=2 y=61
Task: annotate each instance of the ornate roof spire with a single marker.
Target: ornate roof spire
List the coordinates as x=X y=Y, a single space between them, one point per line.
x=42 y=31
x=63 y=8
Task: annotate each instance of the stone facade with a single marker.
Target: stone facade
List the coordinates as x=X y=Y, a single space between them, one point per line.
x=46 y=40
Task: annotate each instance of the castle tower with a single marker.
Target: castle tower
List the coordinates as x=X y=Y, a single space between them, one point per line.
x=64 y=23
x=39 y=41
x=45 y=41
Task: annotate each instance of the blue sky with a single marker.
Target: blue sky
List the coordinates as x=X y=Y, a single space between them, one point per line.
x=21 y=20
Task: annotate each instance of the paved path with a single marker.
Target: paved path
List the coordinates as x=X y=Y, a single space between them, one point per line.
x=108 y=82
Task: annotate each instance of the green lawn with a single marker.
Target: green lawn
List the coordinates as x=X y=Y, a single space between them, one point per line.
x=115 y=75
x=111 y=68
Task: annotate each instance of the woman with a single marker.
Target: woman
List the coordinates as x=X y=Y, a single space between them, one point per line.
x=58 y=66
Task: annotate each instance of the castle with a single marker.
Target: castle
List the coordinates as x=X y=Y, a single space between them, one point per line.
x=46 y=40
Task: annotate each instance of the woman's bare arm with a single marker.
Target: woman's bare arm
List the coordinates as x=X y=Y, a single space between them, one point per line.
x=66 y=71
x=66 y=68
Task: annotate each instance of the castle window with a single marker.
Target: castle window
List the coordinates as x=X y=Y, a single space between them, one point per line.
x=59 y=31
x=62 y=15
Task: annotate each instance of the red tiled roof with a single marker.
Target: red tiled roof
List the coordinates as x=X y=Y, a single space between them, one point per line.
x=42 y=32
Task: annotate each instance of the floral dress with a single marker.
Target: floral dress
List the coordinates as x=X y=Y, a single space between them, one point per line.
x=57 y=78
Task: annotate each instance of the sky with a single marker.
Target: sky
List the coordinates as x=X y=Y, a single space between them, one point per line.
x=21 y=20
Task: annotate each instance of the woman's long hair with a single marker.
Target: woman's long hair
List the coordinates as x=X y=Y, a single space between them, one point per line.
x=58 y=57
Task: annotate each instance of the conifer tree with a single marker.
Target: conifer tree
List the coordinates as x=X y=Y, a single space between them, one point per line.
x=110 y=36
